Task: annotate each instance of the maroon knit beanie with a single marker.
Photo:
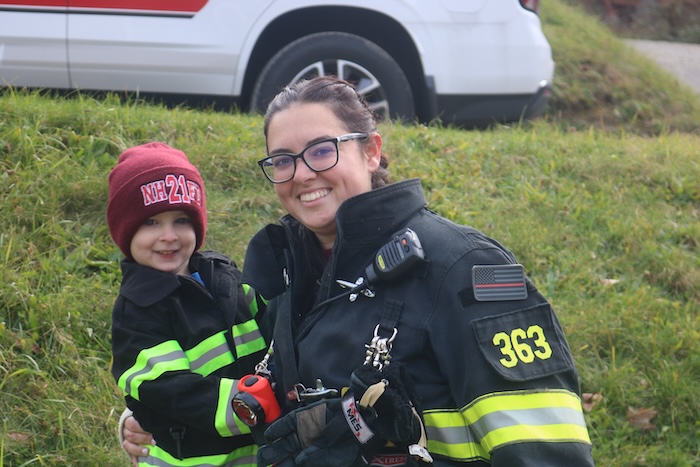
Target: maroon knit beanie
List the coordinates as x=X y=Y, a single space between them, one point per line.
x=150 y=179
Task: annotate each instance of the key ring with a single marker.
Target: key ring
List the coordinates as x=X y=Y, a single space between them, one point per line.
x=378 y=352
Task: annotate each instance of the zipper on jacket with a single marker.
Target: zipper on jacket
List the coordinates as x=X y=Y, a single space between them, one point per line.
x=199 y=285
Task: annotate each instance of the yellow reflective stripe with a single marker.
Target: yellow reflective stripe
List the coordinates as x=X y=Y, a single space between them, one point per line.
x=151 y=364
x=518 y=400
x=449 y=436
x=517 y=416
x=499 y=419
x=210 y=355
x=250 y=299
x=241 y=457
x=247 y=338
x=226 y=422
x=535 y=433
x=253 y=299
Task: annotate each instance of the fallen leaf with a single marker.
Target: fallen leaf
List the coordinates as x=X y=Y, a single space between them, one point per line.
x=589 y=400
x=609 y=282
x=641 y=418
x=19 y=437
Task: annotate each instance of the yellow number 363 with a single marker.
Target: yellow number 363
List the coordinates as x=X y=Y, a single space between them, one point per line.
x=516 y=347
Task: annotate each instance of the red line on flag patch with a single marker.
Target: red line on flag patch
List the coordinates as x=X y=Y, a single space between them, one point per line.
x=497 y=282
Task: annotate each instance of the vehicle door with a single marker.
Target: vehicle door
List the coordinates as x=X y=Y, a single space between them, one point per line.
x=33 y=43
x=175 y=46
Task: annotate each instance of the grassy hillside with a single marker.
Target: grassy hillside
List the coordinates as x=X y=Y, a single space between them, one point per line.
x=665 y=20
x=600 y=201
x=602 y=82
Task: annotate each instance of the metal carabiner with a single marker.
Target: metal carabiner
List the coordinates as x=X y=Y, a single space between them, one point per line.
x=378 y=352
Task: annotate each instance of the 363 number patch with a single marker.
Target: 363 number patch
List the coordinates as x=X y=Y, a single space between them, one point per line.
x=524 y=344
x=515 y=346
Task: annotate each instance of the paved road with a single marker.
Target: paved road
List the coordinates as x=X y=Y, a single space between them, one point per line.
x=681 y=60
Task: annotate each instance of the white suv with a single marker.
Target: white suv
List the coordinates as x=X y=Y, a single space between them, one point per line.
x=468 y=62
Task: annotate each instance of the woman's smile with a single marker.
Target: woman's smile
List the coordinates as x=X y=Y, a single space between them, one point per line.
x=308 y=197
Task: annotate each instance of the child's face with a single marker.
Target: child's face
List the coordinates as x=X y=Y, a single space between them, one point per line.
x=165 y=242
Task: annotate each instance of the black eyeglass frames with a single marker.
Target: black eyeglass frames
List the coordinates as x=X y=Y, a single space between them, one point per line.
x=319 y=156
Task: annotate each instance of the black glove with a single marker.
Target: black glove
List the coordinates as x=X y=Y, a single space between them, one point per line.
x=343 y=432
x=316 y=435
x=390 y=393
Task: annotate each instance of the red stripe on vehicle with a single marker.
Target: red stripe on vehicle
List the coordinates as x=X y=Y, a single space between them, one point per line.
x=185 y=6
x=53 y=3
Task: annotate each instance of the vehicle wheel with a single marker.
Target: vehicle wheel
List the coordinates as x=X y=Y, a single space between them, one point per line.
x=377 y=76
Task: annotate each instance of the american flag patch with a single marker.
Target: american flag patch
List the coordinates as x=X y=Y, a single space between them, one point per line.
x=499 y=282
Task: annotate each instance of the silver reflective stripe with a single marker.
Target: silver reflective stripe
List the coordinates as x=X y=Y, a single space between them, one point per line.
x=210 y=355
x=529 y=417
x=148 y=368
x=245 y=460
x=500 y=419
x=230 y=414
x=247 y=337
x=451 y=435
x=249 y=294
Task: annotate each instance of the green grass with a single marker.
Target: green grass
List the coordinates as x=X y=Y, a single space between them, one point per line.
x=600 y=200
x=601 y=81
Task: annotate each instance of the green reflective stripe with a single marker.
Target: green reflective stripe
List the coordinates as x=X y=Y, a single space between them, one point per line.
x=250 y=299
x=151 y=364
x=449 y=436
x=548 y=415
x=467 y=452
x=241 y=457
x=225 y=421
x=210 y=355
x=247 y=338
x=517 y=400
x=499 y=419
x=535 y=433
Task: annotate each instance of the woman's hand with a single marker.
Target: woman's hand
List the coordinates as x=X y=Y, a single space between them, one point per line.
x=133 y=437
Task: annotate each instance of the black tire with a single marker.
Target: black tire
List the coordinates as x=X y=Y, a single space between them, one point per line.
x=370 y=68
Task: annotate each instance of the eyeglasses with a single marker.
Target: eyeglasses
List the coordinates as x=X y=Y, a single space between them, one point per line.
x=319 y=156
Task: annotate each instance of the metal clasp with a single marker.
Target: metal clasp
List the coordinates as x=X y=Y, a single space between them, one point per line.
x=350 y=285
x=378 y=352
x=305 y=395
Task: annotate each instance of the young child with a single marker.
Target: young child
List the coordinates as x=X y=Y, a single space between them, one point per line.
x=183 y=326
